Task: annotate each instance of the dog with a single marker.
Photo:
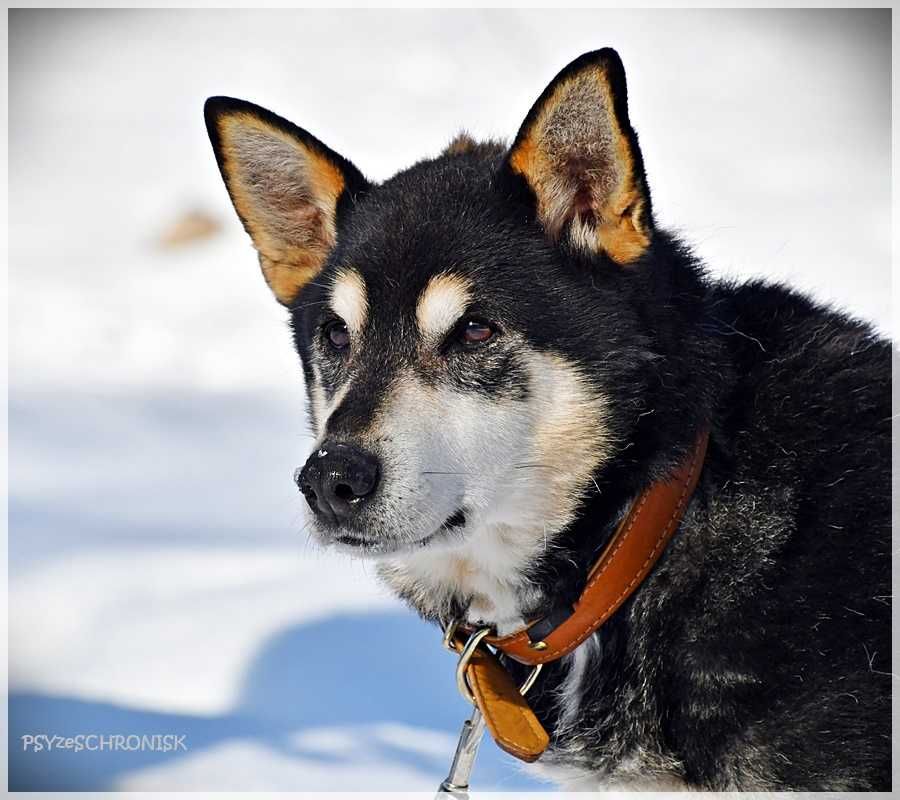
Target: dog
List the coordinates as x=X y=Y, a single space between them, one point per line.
x=502 y=350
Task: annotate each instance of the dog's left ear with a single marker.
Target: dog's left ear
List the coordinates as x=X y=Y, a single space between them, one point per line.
x=579 y=155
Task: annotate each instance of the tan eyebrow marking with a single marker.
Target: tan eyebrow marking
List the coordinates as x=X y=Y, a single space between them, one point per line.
x=442 y=302
x=349 y=300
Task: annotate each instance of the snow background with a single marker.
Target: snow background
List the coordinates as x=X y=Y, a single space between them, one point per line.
x=159 y=577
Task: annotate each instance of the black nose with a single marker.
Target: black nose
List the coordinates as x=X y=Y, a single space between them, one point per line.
x=337 y=479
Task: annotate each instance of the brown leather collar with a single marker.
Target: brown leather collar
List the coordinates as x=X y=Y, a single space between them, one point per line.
x=631 y=553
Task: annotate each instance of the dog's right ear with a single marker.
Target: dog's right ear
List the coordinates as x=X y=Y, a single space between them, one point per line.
x=286 y=186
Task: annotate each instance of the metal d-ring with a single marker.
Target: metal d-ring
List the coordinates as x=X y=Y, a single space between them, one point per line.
x=449 y=633
x=465 y=656
x=529 y=681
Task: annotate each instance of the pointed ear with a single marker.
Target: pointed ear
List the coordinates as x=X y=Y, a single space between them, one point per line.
x=286 y=186
x=580 y=157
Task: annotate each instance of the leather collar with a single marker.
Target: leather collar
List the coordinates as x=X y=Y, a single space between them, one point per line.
x=627 y=559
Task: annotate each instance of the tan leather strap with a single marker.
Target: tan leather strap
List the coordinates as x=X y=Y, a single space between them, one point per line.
x=507 y=715
x=635 y=547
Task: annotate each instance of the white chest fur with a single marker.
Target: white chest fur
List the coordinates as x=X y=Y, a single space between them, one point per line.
x=484 y=571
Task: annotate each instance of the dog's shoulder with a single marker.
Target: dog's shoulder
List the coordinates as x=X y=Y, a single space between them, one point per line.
x=806 y=431
x=805 y=372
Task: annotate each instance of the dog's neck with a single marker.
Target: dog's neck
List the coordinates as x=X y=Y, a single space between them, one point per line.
x=482 y=579
x=499 y=576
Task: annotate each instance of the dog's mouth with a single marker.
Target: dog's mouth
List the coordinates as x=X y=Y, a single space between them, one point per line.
x=451 y=528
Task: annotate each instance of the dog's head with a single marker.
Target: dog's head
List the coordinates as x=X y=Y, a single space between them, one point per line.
x=472 y=343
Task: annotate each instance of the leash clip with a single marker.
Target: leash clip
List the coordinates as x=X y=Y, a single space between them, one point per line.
x=456 y=784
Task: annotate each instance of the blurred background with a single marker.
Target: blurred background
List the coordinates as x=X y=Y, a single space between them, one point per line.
x=160 y=577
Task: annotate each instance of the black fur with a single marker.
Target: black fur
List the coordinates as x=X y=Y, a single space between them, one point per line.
x=757 y=654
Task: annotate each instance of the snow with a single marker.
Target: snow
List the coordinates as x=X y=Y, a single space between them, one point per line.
x=160 y=577
x=173 y=600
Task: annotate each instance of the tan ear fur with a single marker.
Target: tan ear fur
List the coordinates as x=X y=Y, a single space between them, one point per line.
x=285 y=186
x=579 y=160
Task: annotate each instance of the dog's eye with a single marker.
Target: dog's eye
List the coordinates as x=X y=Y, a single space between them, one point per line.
x=337 y=335
x=475 y=332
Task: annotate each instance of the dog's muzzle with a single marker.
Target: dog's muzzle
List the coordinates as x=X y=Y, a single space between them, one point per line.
x=337 y=481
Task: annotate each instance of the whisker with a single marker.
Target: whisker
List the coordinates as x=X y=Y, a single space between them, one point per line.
x=439 y=472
